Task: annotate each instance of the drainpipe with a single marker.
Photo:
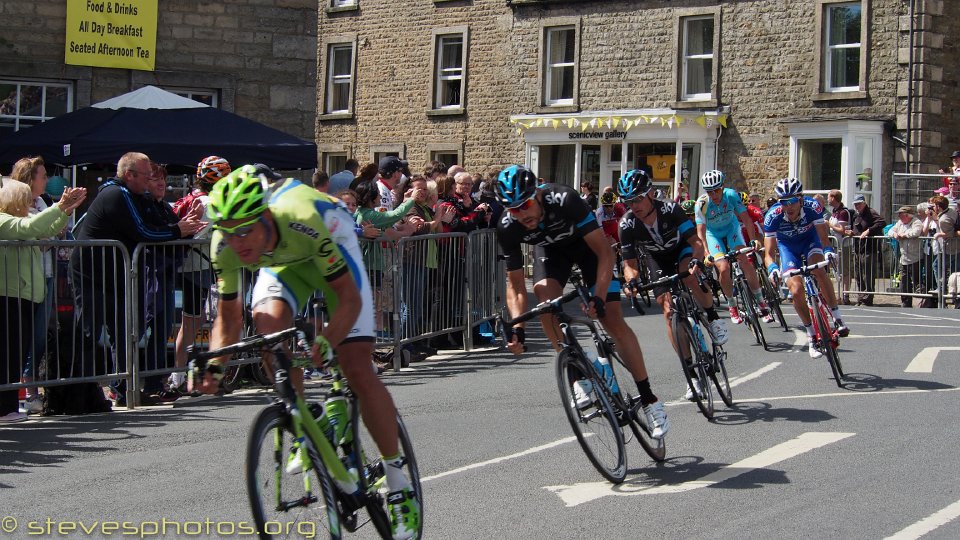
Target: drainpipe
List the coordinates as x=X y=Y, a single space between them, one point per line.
x=909 y=135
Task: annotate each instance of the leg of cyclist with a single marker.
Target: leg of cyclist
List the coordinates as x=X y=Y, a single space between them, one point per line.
x=790 y=261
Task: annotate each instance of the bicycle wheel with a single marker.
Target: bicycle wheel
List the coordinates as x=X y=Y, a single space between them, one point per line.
x=280 y=501
x=655 y=448
x=594 y=424
x=772 y=297
x=827 y=344
x=373 y=480
x=688 y=348
x=750 y=312
x=718 y=365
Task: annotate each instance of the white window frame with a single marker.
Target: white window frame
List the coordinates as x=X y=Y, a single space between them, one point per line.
x=15 y=118
x=193 y=93
x=331 y=78
x=343 y=3
x=442 y=76
x=828 y=49
x=851 y=133
x=328 y=160
x=686 y=57
x=550 y=41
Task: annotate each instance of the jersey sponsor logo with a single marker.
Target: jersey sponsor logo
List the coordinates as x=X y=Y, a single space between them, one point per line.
x=555 y=198
x=326 y=248
x=507 y=219
x=627 y=222
x=668 y=207
x=303 y=229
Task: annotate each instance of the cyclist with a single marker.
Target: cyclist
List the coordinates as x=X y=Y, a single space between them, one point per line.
x=669 y=238
x=565 y=232
x=720 y=214
x=609 y=214
x=302 y=240
x=689 y=208
x=795 y=226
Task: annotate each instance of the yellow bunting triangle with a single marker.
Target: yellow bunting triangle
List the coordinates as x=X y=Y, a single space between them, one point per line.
x=702 y=120
x=569 y=123
x=627 y=124
x=616 y=122
x=679 y=119
x=555 y=123
x=722 y=119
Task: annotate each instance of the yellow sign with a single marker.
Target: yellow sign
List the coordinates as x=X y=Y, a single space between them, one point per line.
x=111 y=34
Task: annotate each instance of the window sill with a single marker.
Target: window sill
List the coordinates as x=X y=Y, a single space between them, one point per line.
x=839 y=96
x=336 y=116
x=547 y=109
x=446 y=112
x=342 y=9
x=697 y=104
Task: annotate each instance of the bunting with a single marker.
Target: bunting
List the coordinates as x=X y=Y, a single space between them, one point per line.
x=618 y=122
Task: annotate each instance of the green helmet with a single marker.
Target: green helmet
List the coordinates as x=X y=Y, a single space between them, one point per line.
x=242 y=194
x=688 y=206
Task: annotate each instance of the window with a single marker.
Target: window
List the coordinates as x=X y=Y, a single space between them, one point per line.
x=447 y=157
x=449 y=62
x=207 y=97
x=334 y=162
x=24 y=104
x=697 y=58
x=343 y=4
x=560 y=65
x=842 y=52
x=339 y=79
x=820 y=163
x=837 y=154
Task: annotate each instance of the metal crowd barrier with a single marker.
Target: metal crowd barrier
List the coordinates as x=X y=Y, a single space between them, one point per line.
x=78 y=332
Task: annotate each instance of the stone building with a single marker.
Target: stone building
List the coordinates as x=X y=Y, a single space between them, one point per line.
x=584 y=90
x=253 y=58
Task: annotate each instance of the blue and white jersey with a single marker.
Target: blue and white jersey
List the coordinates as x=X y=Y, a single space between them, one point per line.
x=776 y=225
x=721 y=216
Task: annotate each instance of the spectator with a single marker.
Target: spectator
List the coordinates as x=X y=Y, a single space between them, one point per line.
x=321 y=181
x=587 y=194
x=344 y=178
x=955 y=163
x=823 y=204
x=946 y=262
x=197 y=274
x=906 y=231
x=33 y=172
x=771 y=201
x=953 y=192
x=22 y=284
x=367 y=173
x=117 y=213
x=755 y=200
x=839 y=222
x=455 y=194
x=488 y=197
x=349 y=199
x=454 y=170
x=390 y=171
x=866 y=223
x=434 y=169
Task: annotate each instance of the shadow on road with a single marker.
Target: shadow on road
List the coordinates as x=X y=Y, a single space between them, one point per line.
x=867 y=382
x=678 y=470
x=757 y=411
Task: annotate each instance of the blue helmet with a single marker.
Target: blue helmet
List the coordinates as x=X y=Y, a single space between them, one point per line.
x=516 y=184
x=788 y=186
x=634 y=183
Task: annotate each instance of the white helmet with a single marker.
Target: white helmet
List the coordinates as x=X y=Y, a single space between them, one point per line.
x=712 y=180
x=787 y=187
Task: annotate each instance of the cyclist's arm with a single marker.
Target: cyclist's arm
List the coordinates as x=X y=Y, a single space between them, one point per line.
x=516 y=294
x=702 y=233
x=227 y=326
x=605 y=261
x=822 y=233
x=770 y=251
x=697 y=244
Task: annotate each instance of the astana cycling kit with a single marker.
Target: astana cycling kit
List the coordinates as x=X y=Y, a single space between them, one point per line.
x=317 y=245
x=721 y=221
x=795 y=239
x=666 y=241
x=558 y=238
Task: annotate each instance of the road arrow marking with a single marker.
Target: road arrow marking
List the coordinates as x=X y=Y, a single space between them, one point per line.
x=929 y=523
x=923 y=361
x=750 y=376
x=585 y=492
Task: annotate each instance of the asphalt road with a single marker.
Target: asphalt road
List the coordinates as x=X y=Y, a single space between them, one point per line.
x=797 y=457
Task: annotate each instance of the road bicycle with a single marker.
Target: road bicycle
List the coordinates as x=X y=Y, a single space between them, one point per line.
x=701 y=357
x=771 y=291
x=826 y=333
x=340 y=474
x=749 y=308
x=643 y=276
x=597 y=406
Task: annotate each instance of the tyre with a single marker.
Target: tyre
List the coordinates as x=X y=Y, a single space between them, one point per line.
x=595 y=424
x=827 y=343
x=773 y=299
x=718 y=366
x=281 y=501
x=749 y=312
x=655 y=448
x=688 y=348
x=373 y=480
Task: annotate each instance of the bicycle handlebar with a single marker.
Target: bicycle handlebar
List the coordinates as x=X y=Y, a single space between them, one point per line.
x=247 y=344
x=542 y=308
x=737 y=252
x=805 y=269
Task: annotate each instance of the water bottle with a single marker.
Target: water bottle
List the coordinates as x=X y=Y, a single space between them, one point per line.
x=336 y=413
x=605 y=370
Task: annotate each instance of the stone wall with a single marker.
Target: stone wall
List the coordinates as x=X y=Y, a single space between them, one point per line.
x=260 y=55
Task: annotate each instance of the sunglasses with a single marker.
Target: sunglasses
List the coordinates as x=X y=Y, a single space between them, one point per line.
x=522 y=207
x=791 y=200
x=240 y=231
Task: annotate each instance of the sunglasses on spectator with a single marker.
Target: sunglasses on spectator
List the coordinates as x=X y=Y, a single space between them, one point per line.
x=522 y=207
x=791 y=200
x=240 y=231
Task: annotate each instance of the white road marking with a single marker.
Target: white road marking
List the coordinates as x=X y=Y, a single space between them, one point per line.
x=845 y=394
x=851 y=336
x=585 y=492
x=501 y=459
x=923 y=361
x=912 y=325
x=800 y=340
x=750 y=376
x=929 y=523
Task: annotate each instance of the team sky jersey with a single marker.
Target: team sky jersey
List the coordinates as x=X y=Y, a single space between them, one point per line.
x=669 y=233
x=721 y=216
x=566 y=219
x=316 y=233
x=797 y=232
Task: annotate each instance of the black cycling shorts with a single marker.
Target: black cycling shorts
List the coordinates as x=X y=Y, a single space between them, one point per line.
x=665 y=263
x=556 y=262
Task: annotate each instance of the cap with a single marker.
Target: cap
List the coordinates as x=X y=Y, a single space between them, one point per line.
x=906 y=209
x=859 y=199
x=956 y=153
x=391 y=164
